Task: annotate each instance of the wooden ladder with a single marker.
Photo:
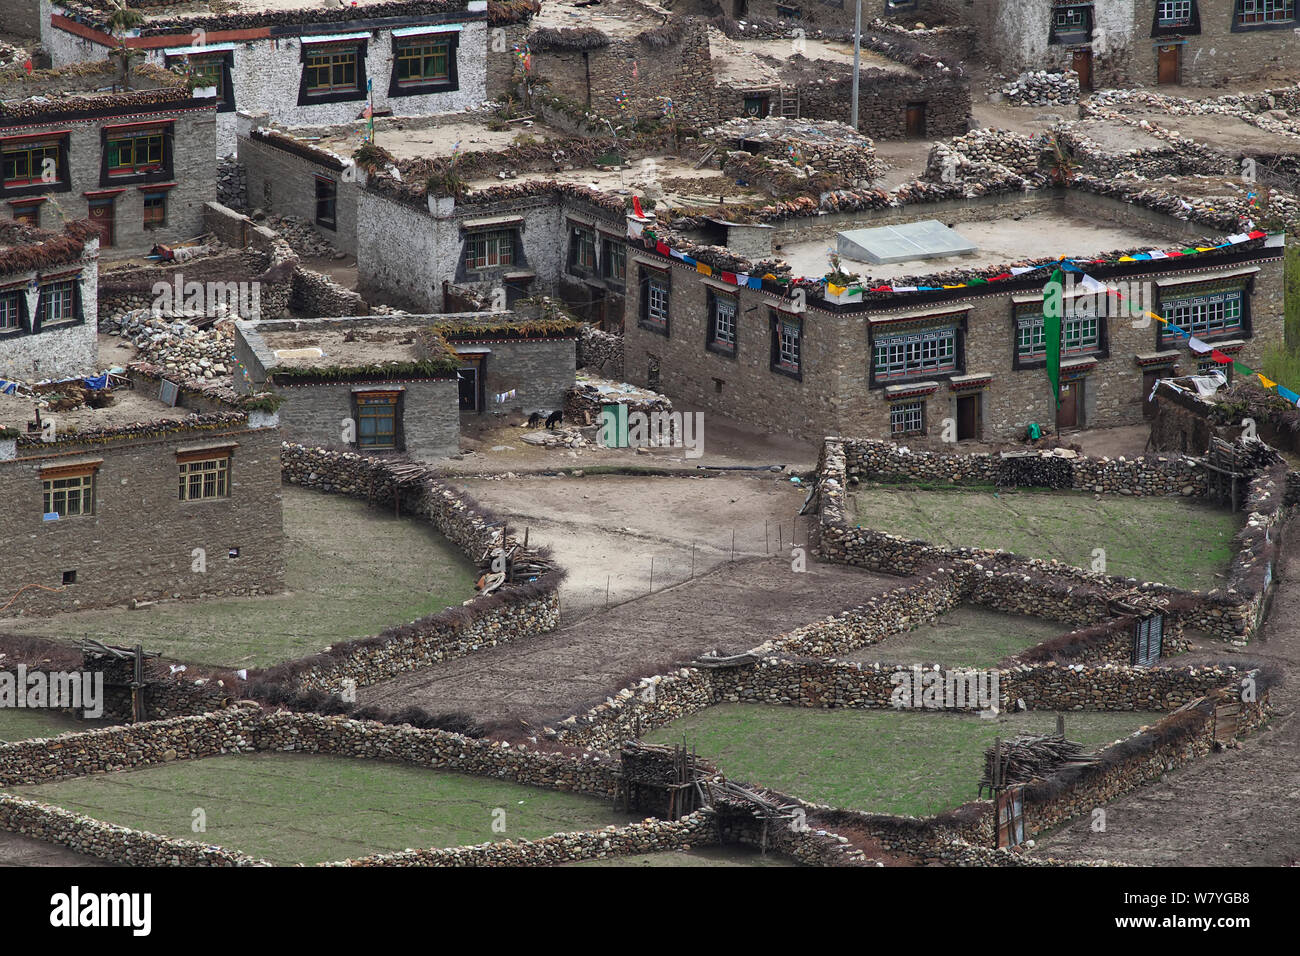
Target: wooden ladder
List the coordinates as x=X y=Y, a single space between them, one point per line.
x=790 y=102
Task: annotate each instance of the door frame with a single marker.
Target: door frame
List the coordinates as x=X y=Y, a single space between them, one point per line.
x=473 y=361
x=1077 y=393
x=920 y=107
x=977 y=423
x=1086 y=54
x=1177 y=50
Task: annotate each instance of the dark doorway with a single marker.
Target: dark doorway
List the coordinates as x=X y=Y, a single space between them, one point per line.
x=740 y=9
x=968 y=417
x=468 y=379
x=1148 y=385
x=1082 y=64
x=1070 y=414
x=915 y=120
x=1167 y=64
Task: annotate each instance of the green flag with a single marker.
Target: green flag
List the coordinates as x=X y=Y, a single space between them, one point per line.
x=1053 y=297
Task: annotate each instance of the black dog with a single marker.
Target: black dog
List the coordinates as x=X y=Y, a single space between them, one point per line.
x=554 y=418
x=535 y=420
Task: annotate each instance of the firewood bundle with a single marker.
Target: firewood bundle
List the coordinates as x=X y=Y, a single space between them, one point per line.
x=1026 y=758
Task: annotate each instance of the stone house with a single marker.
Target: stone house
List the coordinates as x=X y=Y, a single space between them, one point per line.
x=301 y=63
x=1142 y=43
x=139 y=500
x=48 y=301
x=402 y=384
x=136 y=162
x=948 y=364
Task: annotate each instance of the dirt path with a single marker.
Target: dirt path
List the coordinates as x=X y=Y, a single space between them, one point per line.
x=546 y=678
x=1234 y=808
x=19 y=850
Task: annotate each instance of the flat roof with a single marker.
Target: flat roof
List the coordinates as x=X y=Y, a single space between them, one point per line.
x=331 y=347
x=1002 y=240
x=618 y=19
x=906 y=242
x=759 y=61
x=219 y=8
x=407 y=140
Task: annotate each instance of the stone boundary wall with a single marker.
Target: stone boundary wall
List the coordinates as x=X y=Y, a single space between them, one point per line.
x=512 y=613
x=1232 y=613
x=319 y=295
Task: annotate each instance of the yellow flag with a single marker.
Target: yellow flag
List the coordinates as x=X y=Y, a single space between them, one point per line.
x=702 y=268
x=1268 y=382
x=834 y=289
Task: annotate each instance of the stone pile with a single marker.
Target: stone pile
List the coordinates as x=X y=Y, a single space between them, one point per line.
x=169 y=341
x=232 y=184
x=989 y=148
x=556 y=438
x=1043 y=88
x=826 y=147
x=306 y=241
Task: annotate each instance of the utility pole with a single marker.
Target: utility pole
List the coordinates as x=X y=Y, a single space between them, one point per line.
x=857 y=58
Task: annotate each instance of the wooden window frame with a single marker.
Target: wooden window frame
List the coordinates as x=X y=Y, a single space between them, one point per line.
x=57 y=481
x=159 y=198
x=224 y=60
x=1168 y=306
x=483 y=246
x=713 y=342
x=332 y=188
x=73 y=290
x=30 y=185
x=387 y=399
x=651 y=279
x=1262 y=14
x=15 y=309
x=221 y=474
x=336 y=54
x=923 y=366
x=407 y=86
x=904 y=407
x=582 y=240
x=613 y=250
x=778 y=322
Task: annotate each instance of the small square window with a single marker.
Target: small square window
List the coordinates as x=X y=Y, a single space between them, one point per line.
x=69 y=577
x=906 y=418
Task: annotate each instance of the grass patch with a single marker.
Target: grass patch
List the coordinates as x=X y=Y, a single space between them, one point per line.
x=351 y=571
x=966 y=636
x=1171 y=540
x=880 y=761
x=299 y=808
x=22 y=723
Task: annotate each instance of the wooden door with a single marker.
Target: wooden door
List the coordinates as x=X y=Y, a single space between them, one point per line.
x=915 y=120
x=1067 y=416
x=102 y=218
x=1082 y=65
x=968 y=417
x=1167 y=64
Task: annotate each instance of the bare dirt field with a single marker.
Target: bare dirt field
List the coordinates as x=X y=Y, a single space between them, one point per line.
x=19 y=850
x=1234 y=808
x=606 y=530
x=545 y=678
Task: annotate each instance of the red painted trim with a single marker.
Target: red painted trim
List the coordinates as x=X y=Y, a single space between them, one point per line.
x=27 y=202
x=186 y=39
x=81 y=30
x=52 y=134
x=154 y=187
x=104 y=193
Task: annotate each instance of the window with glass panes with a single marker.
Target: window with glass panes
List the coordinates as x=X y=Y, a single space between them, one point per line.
x=28 y=163
x=1174 y=13
x=331 y=70
x=377 y=420
x=915 y=353
x=1208 y=366
x=204 y=478
x=1265 y=11
x=58 y=303
x=657 y=297
x=423 y=61
x=614 y=260
x=723 y=320
x=789 y=344
x=69 y=495
x=1209 y=313
x=210 y=71
x=11 y=310
x=907 y=418
x=484 y=250
x=582 y=248
x=1078 y=334
x=136 y=152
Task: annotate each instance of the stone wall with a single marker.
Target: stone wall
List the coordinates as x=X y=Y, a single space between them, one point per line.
x=600 y=353
x=514 y=612
x=1232 y=613
x=316 y=294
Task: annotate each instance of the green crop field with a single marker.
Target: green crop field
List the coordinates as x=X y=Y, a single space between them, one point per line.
x=966 y=636
x=298 y=808
x=22 y=723
x=882 y=761
x=351 y=571
x=1171 y=540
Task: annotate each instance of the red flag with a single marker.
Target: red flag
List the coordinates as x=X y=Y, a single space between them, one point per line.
x=1258 y=234
x=636 y=207
x=662 y=249
x=1219 y=357
x=729 y=277
x=27 y=65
